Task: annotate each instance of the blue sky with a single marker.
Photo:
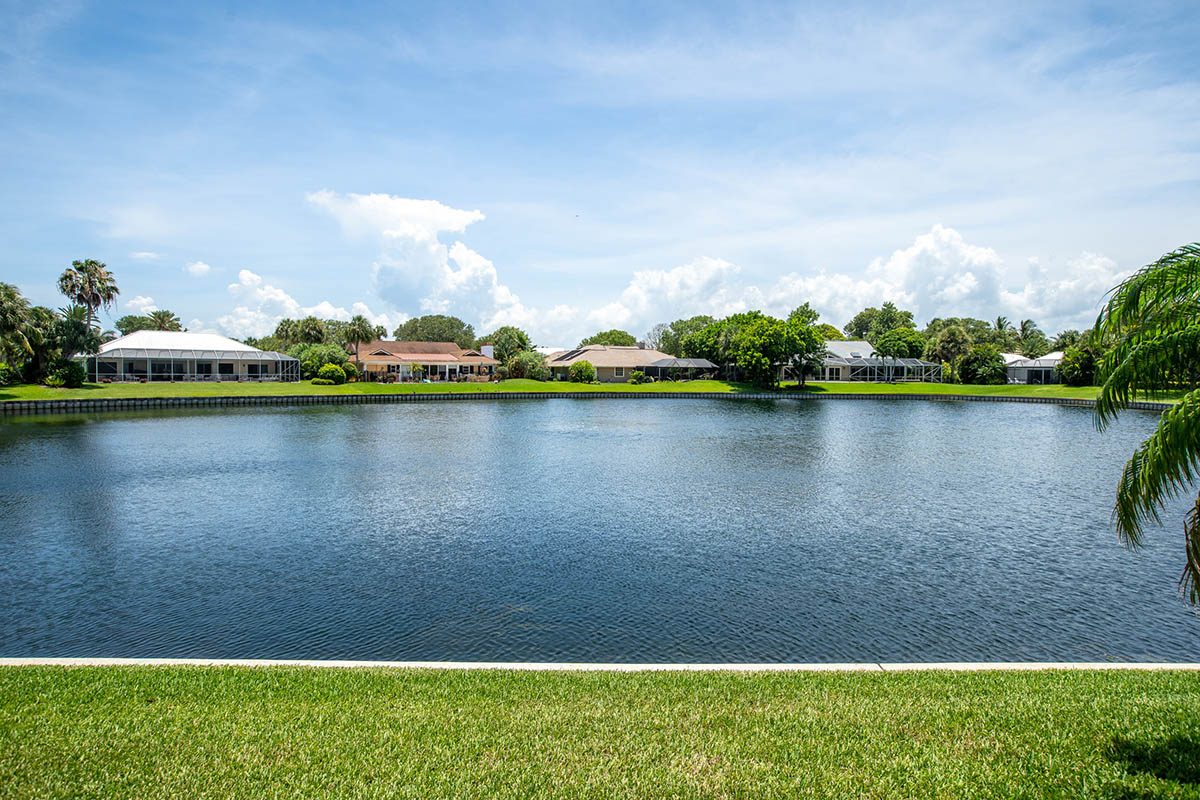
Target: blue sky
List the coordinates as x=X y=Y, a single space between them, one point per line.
x=570 y=168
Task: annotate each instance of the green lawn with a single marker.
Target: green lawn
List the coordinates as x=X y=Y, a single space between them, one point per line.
x=113 y=390
x=158 y=732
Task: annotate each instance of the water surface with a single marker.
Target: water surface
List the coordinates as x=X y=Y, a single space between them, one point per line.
x=584 y=530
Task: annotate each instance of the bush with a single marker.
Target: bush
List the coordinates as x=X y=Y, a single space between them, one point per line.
x=637 y=376
x=314 y=356
x=582 y=372
x=70 y=375
x=983 y=365
x=332 y=373
x=1078 y=366
x=322 y=382
x=8 y=374
x=528 y=364
x=351 y=371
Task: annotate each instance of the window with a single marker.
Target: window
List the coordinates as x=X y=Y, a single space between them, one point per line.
x=204 y=368
x=224 y=369
x=619 y=372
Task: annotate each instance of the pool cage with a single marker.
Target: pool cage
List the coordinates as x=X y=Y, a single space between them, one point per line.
x=881 y=370
x=152 y=364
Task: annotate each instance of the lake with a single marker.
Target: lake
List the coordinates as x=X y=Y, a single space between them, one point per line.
x=584 y=530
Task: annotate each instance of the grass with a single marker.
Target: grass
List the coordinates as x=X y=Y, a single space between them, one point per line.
x=159 y=732
x=122 y=390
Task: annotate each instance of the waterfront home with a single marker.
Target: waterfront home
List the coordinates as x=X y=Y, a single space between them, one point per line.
x=433 y=360
x=613 y=363
x=184 y=356
x=853 y=361
x=1035 y=370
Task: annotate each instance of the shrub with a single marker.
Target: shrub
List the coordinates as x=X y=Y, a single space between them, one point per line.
x=1078 y=366
x=8 y=374
x=528 y=364
x=351 y=371
x=314 y=356
x=70 y=375
x=322 y=382
x=983 y=365
x=332 y=373
x=637 y=376
x=582 y=372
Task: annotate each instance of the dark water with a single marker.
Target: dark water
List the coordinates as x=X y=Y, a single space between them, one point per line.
x=591 y=530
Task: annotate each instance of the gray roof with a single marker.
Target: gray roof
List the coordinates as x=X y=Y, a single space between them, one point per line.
x=834 y=361
x=850 y=349
x=684 y=363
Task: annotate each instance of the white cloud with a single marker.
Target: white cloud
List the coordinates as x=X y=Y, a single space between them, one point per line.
x=145 y=255
x=939 y=275
x=197 y=269
x=260 y=306
x=141 y=305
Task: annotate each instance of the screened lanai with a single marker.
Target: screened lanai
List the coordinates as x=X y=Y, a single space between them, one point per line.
x=183 y=356
x=855 y=361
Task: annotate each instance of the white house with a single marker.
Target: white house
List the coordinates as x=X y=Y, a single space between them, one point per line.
x=183 y=356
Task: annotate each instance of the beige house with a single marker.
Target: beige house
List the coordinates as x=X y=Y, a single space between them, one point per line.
x=444 y=361
x=613 y=364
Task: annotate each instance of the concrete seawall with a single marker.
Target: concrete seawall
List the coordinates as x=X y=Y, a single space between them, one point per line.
x=88 y=405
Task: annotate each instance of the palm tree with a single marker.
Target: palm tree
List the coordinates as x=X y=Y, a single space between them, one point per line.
x=1003 y=326
x=950 y=345
x=14 y=311
x=89 y=284
x=359 y=331
x=285 y=332
x=309 y=330
x=1152 y=324
x=164 y=321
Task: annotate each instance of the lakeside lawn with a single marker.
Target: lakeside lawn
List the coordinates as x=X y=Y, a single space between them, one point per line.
x=166 y=389
x=287 y=732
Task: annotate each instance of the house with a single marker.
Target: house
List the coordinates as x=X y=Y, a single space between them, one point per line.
x=435 y=360
x=613 y=363
x=853 y=361
x=185 y=356
x=1035 y=370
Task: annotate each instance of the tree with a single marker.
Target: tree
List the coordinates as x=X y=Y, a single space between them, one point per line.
x=717 y=340
x=436 y=328
x=74 y=334
x=89 y=284
x=949 y=346
x=762 y=345
x=14 y=312
x=581 y=372
x=1152 y=321
x=1069 y=338
x=669 y=338
x=1033 y=343
x=809 y=353
x=507 y=342
x=285 y=333
x=805 y=315
x=983 y=365
x=164 y=321
x=360 y=331
x=899 y=343
x=528 y=364
x=613 y=338
x=314 y=356
x=1078 y=365
x=978 y=330
x=309 y=330
x=134 y=322
x=874 y=323
x=828 y=333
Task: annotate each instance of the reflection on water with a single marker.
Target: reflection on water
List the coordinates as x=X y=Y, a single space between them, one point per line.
x=592 y=530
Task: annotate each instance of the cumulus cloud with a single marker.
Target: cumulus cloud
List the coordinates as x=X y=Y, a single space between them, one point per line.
x=940 y=274
x=197 y=269
x=145 y=255
x=141 y=305
x=259 y=307
x=416 y=269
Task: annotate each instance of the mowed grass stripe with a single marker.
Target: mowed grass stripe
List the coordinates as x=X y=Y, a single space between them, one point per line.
x=287 y=731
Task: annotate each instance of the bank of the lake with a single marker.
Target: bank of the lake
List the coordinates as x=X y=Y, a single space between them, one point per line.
x=238 y=732
x=156 y=390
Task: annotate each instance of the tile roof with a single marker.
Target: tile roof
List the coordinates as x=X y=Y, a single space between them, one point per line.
x=602 y=355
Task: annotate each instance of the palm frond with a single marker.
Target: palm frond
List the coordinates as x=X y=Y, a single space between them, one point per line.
x=1166 y=464
x=1148 y=366
x=1189 y=582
